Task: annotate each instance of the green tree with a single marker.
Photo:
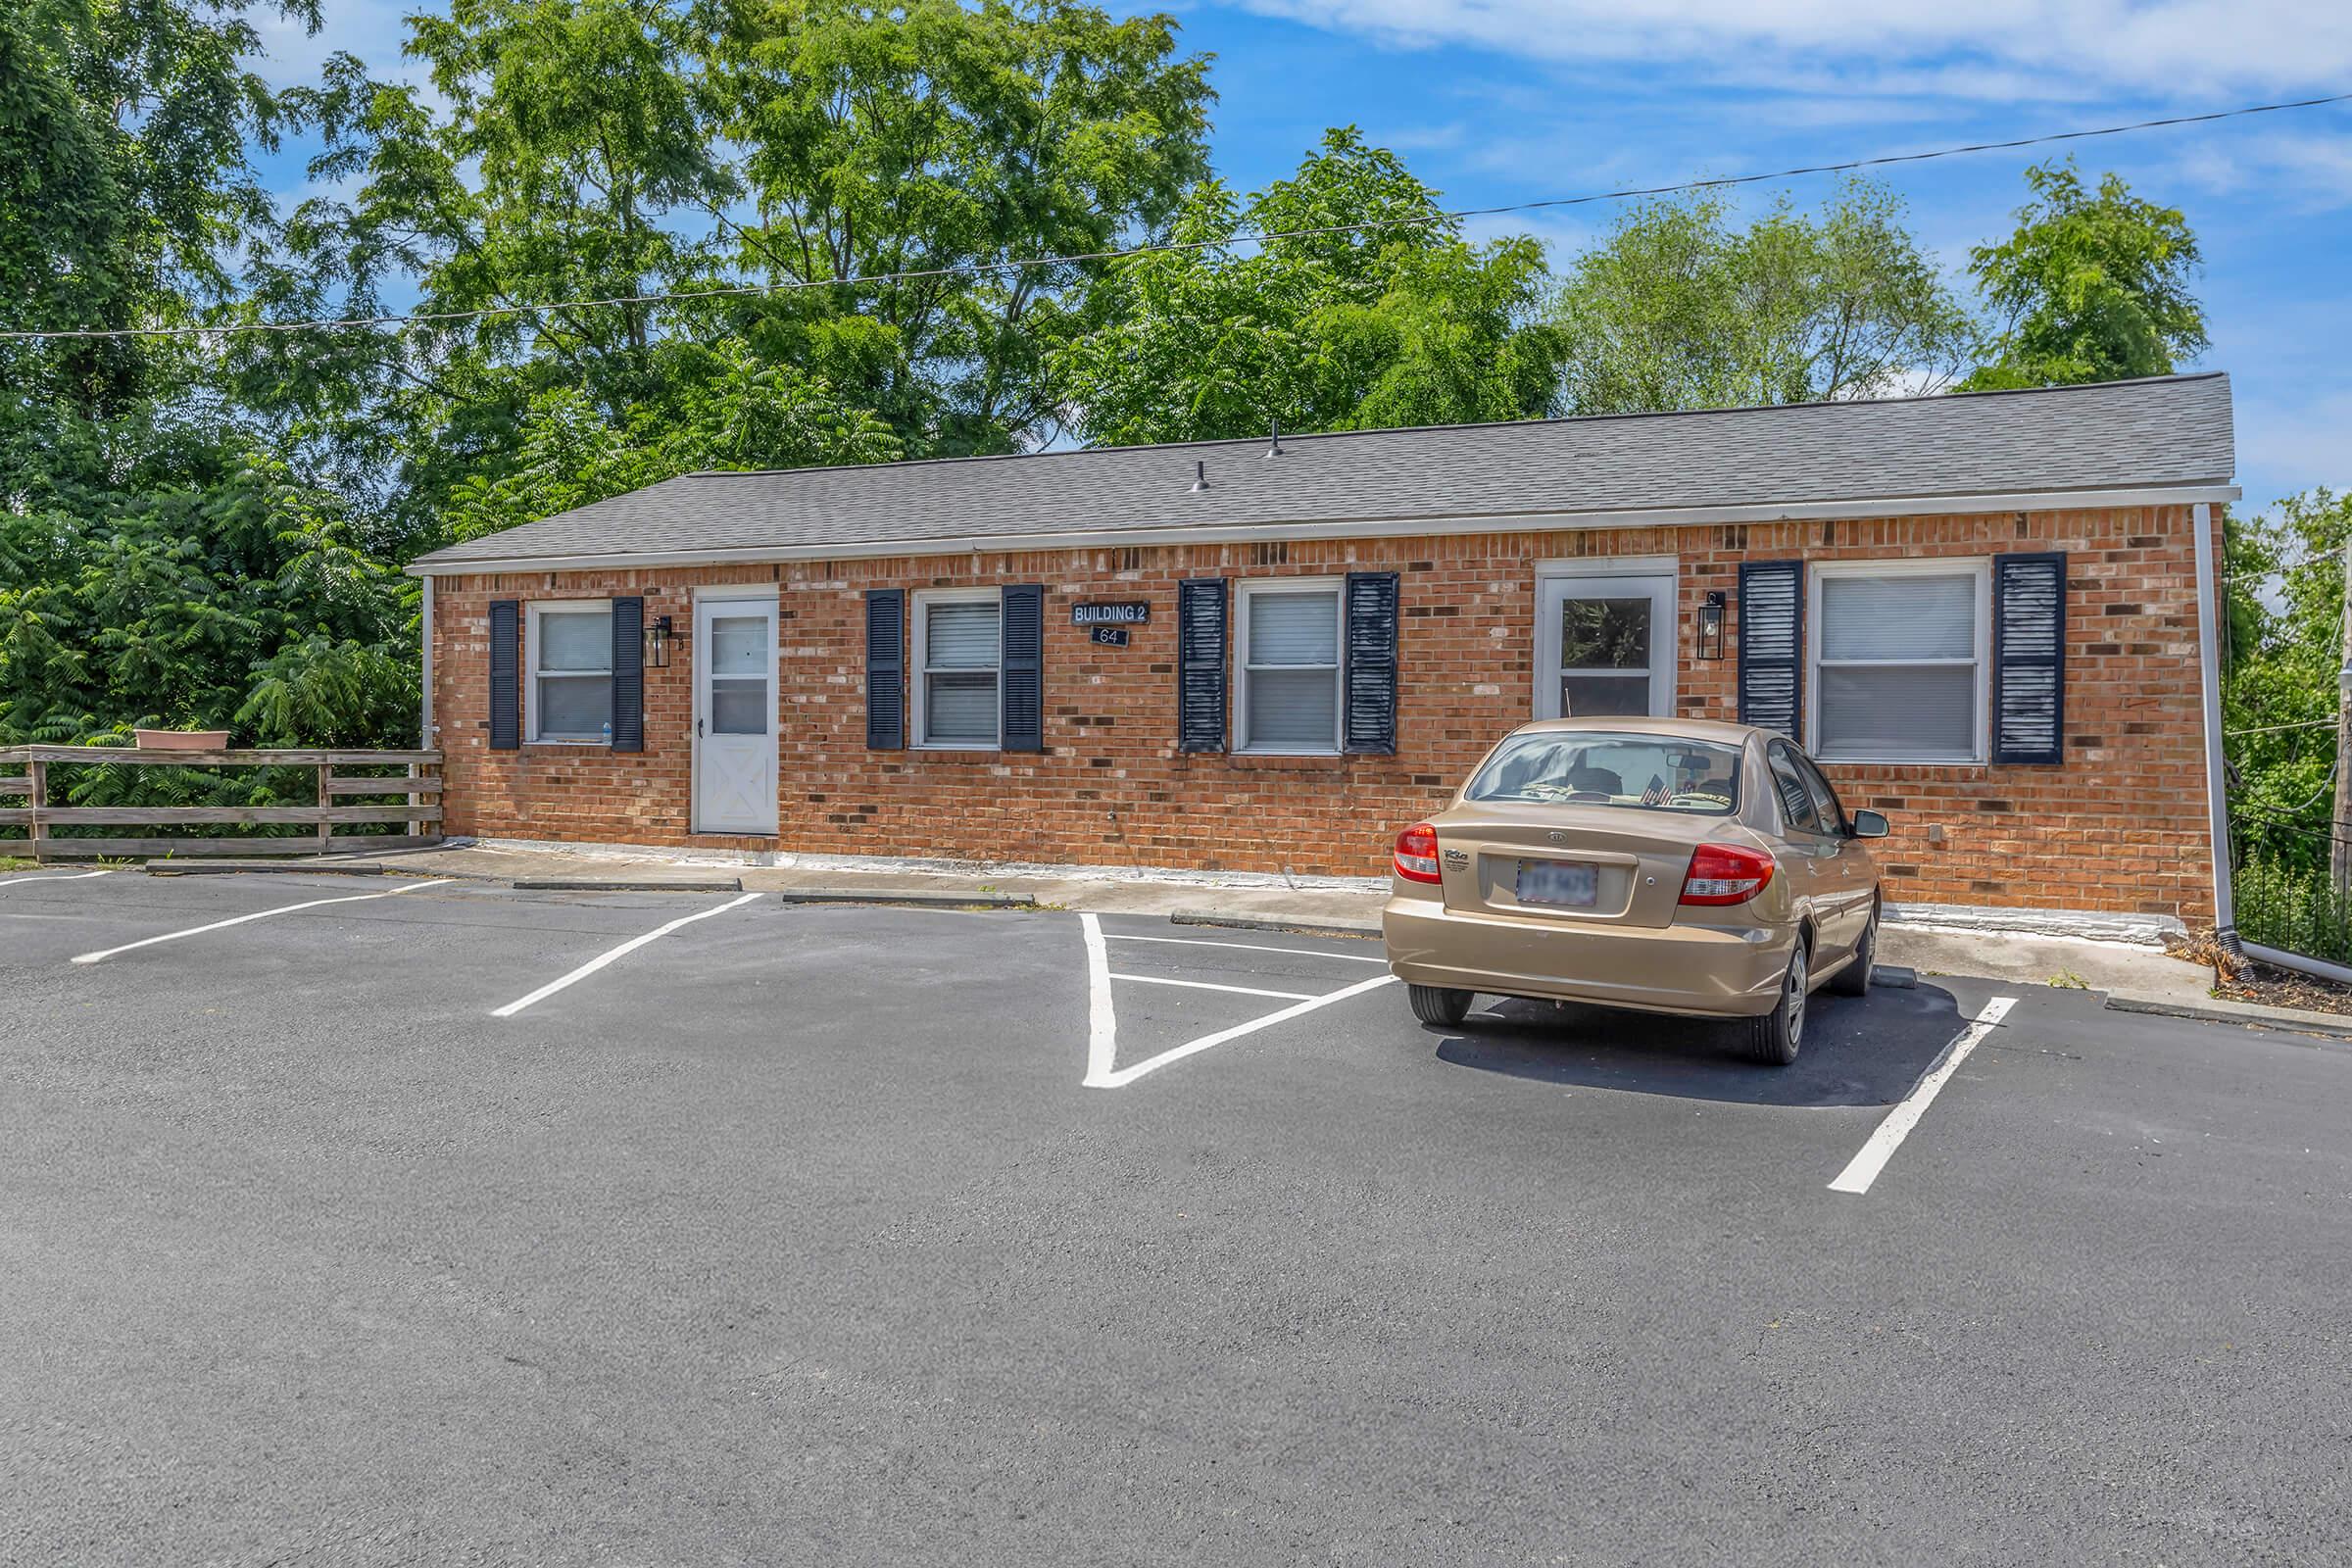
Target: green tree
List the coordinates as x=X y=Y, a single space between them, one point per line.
x=2286 y=593
x=1681 y=307
x=2091 y=287
x=1389 y=318
x=163 y=560
x=740 y=417
x=950 y=139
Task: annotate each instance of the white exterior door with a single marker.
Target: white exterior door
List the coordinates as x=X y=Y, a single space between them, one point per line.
x=735 y=741
x=1604 y=646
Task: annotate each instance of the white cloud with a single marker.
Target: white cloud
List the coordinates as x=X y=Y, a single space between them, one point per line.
x=1991 y=50
x=2306 y=174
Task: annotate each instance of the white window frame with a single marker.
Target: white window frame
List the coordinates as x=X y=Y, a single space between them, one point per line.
x=919 y=663
x=1665 y=673
x=539 y=610
x=1819 y=571
x=1249 y=589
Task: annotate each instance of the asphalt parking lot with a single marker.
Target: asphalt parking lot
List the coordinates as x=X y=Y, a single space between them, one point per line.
x=370 y=1220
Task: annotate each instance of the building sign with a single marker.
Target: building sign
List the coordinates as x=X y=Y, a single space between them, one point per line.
x=1109 y=636
x=1111 y=615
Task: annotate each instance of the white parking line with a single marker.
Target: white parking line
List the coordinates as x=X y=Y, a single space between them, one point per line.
x=1203 y=985
x=1249 y=947
x=624 y=950
x=260 y=914
x=76 y=876
x=1864 y=1167
x=1103 y=1070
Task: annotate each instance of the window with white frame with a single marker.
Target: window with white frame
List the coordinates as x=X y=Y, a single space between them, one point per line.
x=571 y=673
x=958 y=645
x=1290 y=667
x=1900 y=656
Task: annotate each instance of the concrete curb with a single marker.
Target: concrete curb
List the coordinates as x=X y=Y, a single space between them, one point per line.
x=2251 y=1014
x=248 y=867
x=561 y=883
x=911 y=898
x=1236 y=922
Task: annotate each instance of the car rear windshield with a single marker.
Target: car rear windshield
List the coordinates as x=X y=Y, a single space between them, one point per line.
x=1647 y=772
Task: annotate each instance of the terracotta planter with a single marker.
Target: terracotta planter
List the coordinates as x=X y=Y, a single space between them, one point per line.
x=182 y=740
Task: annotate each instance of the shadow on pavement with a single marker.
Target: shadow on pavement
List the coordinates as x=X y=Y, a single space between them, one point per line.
x=1856 y=1052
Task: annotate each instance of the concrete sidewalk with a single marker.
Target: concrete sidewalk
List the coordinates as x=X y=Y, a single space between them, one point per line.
x=1336 y=903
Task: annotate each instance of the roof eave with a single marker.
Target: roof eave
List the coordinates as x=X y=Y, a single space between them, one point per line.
x=1414 y=526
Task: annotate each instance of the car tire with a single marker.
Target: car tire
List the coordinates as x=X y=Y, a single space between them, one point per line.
x=1854 y=979
x=1438 y=1005
x=1774 y=1038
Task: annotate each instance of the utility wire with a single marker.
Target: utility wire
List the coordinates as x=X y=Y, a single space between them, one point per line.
x=2273 y=729
x=988 y=269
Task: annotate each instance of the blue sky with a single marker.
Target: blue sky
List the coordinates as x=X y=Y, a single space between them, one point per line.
x=1495 y=101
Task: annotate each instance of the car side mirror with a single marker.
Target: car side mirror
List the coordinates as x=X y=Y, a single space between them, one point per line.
x=1869 y=824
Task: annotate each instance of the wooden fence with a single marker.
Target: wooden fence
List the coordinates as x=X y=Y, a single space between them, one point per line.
x=25 y=773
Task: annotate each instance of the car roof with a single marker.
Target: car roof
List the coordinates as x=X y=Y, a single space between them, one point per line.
x=1697 y=729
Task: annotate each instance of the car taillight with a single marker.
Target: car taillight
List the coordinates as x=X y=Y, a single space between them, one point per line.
x=1724 y=873
x=1417 y=853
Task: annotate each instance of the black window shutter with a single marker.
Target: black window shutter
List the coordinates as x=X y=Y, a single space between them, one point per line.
x=1371 y=664
x=885 y=668
x=2029 y=657
x=628 y=674
x=506 y=674
x=1022 y=674
x=1772 y=646
x=1201 y=664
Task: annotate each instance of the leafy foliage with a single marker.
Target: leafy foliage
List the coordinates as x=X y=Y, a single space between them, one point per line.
x=1399 y=324
x=741 y=417
x=2286 y=594
x=2294 y=906
x=1680 y=308
x=2091 y=287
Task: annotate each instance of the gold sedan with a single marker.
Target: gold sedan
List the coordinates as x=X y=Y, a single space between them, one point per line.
x=1669 y=865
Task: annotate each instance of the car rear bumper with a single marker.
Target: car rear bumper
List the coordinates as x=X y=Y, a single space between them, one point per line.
x=1710 y=971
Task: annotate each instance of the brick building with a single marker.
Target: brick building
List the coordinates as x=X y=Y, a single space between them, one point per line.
x=1985 y=615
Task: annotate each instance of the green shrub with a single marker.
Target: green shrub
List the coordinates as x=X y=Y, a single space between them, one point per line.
x=2295 y=908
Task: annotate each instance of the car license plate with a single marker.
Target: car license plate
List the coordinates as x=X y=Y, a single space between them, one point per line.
x=1566 y=883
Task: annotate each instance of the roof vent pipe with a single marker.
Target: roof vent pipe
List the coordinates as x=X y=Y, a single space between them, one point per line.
x=1200 y=476
x=1275 y=448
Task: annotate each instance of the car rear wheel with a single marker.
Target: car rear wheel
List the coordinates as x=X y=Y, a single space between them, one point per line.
x=1438 y=1005
x=1774 y=1039
x=1854 y=979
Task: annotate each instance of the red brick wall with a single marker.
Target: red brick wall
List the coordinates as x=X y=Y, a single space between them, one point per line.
x=2119 y=826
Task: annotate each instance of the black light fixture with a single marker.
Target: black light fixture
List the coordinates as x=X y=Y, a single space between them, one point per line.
x=658 y=637
x=1710 y=625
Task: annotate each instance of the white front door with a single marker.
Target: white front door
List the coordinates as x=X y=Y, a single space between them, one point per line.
x=1604 y=647
x=735 y=715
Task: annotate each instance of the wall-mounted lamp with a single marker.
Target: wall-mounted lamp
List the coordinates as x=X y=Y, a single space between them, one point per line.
x=1710 y=625
x=658 y=635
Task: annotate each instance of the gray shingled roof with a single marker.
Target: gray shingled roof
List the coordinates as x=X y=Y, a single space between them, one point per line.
x=2171 y=431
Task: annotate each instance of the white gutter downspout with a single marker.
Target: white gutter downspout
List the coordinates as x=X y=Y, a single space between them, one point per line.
x=425 y=635
x=2211 y=614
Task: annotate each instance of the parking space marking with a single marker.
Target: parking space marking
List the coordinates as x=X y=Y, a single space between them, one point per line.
x=1247 y=946
x=76 y=876
x=624 y=950
x=1203 y=985
x=1103 y=1070
x=258 y=914
x=1864 y=1167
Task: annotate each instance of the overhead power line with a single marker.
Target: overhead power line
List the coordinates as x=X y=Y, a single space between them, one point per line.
x=987 y=268
x=2274 y=729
